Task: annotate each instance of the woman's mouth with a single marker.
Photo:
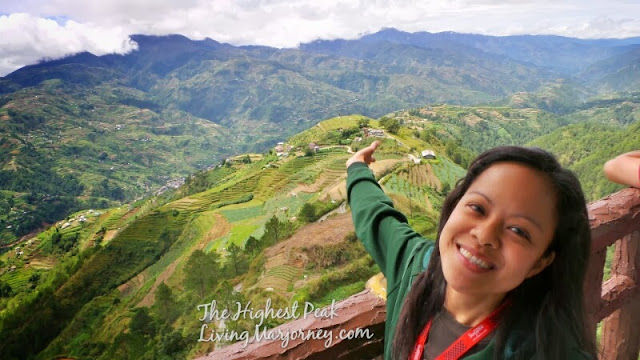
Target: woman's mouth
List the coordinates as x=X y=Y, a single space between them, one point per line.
x=474 y=260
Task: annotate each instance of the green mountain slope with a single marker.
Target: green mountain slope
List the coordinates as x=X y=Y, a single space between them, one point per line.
x=575 y=143
x=127 y=281
x=67 y=148
x=90 y=131
x=98 y=278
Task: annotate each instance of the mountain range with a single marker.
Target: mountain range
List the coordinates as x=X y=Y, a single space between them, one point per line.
x=123 y=176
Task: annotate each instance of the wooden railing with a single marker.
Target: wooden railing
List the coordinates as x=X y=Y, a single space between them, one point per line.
x=614 y=219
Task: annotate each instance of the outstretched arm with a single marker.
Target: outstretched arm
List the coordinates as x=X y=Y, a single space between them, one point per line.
x=624 y=169
x=383 y=230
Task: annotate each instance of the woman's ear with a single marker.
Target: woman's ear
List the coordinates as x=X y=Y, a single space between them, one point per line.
x=542 y=263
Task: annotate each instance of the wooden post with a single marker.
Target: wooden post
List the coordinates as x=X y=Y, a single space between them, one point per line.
x=593 y=289
x=620 y=340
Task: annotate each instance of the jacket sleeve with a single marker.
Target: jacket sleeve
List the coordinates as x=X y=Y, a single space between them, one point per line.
x=384 y=231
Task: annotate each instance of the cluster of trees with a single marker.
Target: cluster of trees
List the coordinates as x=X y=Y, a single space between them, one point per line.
x=5 y=289
x=392 y=125
x=275 y=231
x=310 y=212
x=202 y=271
x=108 y=190
x=63 y=243
x=459 y=154
x=48 y=195
x=23 y=121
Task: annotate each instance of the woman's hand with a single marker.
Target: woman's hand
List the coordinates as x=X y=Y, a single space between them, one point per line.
x=364 y=155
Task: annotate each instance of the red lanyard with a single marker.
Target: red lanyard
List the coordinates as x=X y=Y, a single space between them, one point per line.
x=465 y=342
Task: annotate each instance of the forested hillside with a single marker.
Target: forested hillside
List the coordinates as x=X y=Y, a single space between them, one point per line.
x=94 y=131
x=134 y=188
x=109 y=283
x=127 y=280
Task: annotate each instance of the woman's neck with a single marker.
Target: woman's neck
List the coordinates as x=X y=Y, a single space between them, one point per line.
x=468 y=309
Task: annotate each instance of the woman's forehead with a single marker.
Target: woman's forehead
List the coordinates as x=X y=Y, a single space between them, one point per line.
x=514 y=182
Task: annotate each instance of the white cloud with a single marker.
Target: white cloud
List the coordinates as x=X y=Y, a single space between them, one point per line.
x=103 y=26
x=27 y=39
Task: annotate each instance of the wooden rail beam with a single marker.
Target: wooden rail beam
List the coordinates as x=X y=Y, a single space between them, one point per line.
x=613 y=217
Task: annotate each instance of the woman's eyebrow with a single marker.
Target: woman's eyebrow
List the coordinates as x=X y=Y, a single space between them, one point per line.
x=527 y=217
x=481 y=194
x=531 y=220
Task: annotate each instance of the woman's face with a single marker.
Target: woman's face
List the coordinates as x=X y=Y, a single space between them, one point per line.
x=498 y=232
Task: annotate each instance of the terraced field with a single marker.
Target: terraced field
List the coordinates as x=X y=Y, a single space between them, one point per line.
x=278 y=278
x=111 y=223
x=421 y=175
x=448 y=171
x=229 y=193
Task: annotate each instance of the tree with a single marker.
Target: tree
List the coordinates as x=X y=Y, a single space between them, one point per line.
x=237 y=260
x=5 y=289
x=142 y=323
x=362 y=123
x=252 y=246
x=307 y=213
x=202 y=271
x=308 y=152
x=172 y=342
x=275 y=230
x=272 y=231
x=165 y=303
x=392 y=125
x=33 y=280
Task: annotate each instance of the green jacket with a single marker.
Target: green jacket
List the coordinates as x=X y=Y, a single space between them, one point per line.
x=399 y=251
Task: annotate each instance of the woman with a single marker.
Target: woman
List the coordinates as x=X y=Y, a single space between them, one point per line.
x=503 y=280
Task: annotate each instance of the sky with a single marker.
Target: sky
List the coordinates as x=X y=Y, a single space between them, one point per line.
x=31 y=30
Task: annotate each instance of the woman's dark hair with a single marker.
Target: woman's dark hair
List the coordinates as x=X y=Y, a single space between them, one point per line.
x=546 y=315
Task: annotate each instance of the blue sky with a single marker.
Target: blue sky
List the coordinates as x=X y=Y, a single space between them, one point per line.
x=34 y=29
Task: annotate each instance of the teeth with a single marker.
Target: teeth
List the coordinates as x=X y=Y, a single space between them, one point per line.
x=474 y=259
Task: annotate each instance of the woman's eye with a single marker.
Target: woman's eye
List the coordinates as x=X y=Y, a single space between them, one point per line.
x=518 y=231
x=476 y=208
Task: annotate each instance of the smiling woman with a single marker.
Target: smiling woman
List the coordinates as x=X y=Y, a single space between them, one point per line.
x=506 y=268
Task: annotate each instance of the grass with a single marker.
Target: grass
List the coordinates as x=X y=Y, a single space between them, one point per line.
x=319 y=131
x=239 y=234
x=341 y=293
x=18 y=279
x=448 y=171
x=239 y=214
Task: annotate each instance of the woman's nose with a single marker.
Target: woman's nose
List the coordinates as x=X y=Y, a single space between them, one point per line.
x=487 y=233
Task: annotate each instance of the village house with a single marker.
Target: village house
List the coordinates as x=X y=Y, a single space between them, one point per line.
x=283 y=149
x=373 y=132
x=428 y=154
x=314 y=147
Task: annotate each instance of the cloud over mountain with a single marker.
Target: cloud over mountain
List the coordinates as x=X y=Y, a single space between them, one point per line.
x=53 y=28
